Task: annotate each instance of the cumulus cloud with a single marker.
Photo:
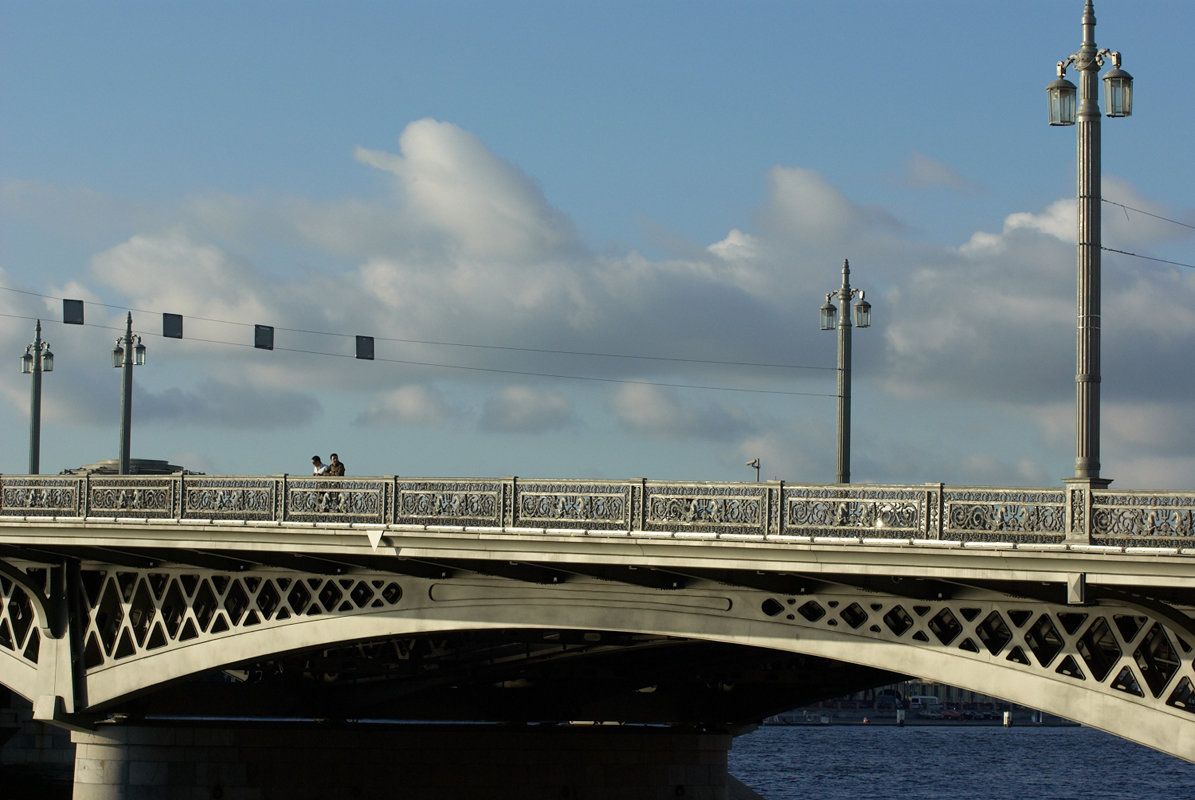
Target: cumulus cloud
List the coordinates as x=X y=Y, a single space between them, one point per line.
x=923 y=172
x=408 y=405
x=661 y=413
x=802 y=205
x=174 y=272
x=70 y=211
x=481 y=203
x=522 y=409
x=227 y=404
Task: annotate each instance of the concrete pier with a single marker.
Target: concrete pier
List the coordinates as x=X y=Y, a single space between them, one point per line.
x=416 y=762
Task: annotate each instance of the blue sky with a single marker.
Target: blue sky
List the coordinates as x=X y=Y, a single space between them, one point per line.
x=590 y=239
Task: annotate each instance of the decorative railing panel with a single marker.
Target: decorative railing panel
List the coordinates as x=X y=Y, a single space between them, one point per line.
x=857 y=511
x=1076 y=514
x=450 y=502
x=344 y=500
x=583 y=505
x=230 y=498
x=716 y=508
x=1004 y=515
x=130 y=496
x=1133 y=519
x=35 y=496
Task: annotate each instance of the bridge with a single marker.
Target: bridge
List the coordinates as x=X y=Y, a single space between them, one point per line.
x=159 y=612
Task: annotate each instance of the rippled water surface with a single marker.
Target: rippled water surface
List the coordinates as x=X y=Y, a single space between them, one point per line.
x=857 y=762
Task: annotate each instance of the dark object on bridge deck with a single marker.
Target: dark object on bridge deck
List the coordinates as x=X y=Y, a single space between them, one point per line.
x=137 y=466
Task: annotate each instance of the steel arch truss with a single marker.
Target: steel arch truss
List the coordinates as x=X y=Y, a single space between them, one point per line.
x=1120 y=650
x=133 y=613
x=1120 y=663
x=23 y=626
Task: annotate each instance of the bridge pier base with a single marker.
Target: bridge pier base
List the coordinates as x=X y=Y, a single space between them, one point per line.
x=253 y=761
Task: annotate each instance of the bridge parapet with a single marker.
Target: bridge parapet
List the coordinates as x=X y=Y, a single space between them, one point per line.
x=1076 y=514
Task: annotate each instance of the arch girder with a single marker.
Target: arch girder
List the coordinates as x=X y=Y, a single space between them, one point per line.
x=1123 y=667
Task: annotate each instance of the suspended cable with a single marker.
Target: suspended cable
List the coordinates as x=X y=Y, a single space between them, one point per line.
x=494 y=370
x=1147 y=258
x=472 y=345
x=1148 y=213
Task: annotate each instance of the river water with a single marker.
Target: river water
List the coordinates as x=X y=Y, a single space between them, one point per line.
x=935 y=762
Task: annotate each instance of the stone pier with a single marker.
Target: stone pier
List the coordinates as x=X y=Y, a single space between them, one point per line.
x=413 y=762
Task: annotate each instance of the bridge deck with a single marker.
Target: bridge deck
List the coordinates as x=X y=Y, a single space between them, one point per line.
x=446 y=596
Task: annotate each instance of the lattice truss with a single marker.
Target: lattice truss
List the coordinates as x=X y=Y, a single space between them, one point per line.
x=133 y=612
x=1114 y=651
x=20 y=628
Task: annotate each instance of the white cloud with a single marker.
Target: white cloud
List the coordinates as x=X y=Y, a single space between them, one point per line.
x=227 y=405
x=923 y=172
x=175 y=273
x=486 y=206
x=66 y=210
x=408 y=405
x=659 y=412
x=522 y=409
x=803 y=206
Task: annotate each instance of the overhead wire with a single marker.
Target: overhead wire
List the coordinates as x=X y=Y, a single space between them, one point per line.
x=1127 y=209
x=1147 y=213
x=473 y=345
x=475 y=368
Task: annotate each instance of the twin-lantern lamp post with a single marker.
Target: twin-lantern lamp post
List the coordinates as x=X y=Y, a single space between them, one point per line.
x=37 y=359
x=829 y=320
x=1118 y=92
x=129 y=352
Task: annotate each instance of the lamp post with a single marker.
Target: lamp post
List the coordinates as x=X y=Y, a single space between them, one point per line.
x=37 y=359
x=128 y=352
x=755 y=463
x=1118 y=88
x=829 y=314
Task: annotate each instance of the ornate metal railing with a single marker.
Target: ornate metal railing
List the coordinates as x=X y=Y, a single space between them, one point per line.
x=1075 y=514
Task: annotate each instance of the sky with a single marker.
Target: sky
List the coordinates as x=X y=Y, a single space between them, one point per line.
x=590 y=239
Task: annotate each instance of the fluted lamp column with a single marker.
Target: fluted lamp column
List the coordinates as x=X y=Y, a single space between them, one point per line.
x=1061 y=93
x=128 y=352
x=829 y=316
x=37 y=359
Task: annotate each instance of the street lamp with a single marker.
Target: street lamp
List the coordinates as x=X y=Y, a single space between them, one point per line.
x=829 y=314
x=1118 y=89
x=755 y=463
x=128 y=352
x=37 y=359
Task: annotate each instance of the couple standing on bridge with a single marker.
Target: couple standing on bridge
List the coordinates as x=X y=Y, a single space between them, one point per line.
x=335 y=467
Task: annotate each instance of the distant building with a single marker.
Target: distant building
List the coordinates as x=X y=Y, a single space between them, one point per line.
x=137 y=466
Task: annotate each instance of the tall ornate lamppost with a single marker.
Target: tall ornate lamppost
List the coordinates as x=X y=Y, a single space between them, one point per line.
x=37 y=359
x=128 y=352
x=829 y=314
x=1118 y=89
